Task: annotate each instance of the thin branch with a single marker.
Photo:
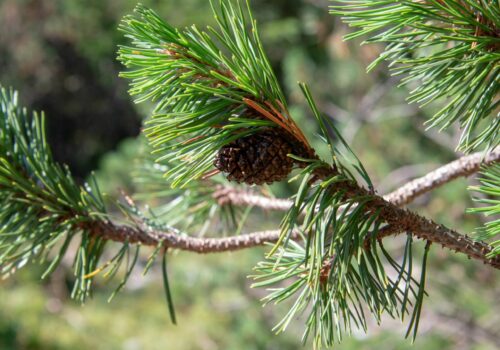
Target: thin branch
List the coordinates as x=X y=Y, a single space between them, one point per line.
x=136 y=235
x=462 y=167
x=402 y=221
x=240 y=197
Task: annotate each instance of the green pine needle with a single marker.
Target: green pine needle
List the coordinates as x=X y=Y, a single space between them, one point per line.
x=168 y=293
x=488 y=194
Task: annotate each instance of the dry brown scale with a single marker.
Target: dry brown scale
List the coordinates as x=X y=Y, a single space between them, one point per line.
x=258 y=158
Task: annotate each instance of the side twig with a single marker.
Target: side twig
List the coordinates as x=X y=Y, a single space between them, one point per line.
x=462 y=167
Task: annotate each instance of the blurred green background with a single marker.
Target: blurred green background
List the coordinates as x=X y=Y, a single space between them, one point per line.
x=60 y=55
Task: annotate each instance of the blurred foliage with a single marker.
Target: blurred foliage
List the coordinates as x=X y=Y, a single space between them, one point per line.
x=216 y=307
x=61 y=56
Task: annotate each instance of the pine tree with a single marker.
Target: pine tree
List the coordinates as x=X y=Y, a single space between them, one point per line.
x=221 y=117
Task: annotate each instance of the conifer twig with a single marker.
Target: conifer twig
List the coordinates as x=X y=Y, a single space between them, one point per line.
x=404 y=221
x=461 y=167
x=240 y=197
x=173 y=240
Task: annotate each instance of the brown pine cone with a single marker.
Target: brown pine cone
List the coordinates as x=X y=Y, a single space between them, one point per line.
x=256 y=159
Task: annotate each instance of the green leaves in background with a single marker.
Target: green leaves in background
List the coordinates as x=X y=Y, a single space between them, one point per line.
x=446 y=51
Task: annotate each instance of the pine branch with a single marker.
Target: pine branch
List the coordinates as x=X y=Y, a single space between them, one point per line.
x=218 y=104
x=173 y=240
x=404 y=221
x=340 y=269
x=399 y=220
x=462 y=167
x=192 y=209
x=42 y=206
x=446 y=51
